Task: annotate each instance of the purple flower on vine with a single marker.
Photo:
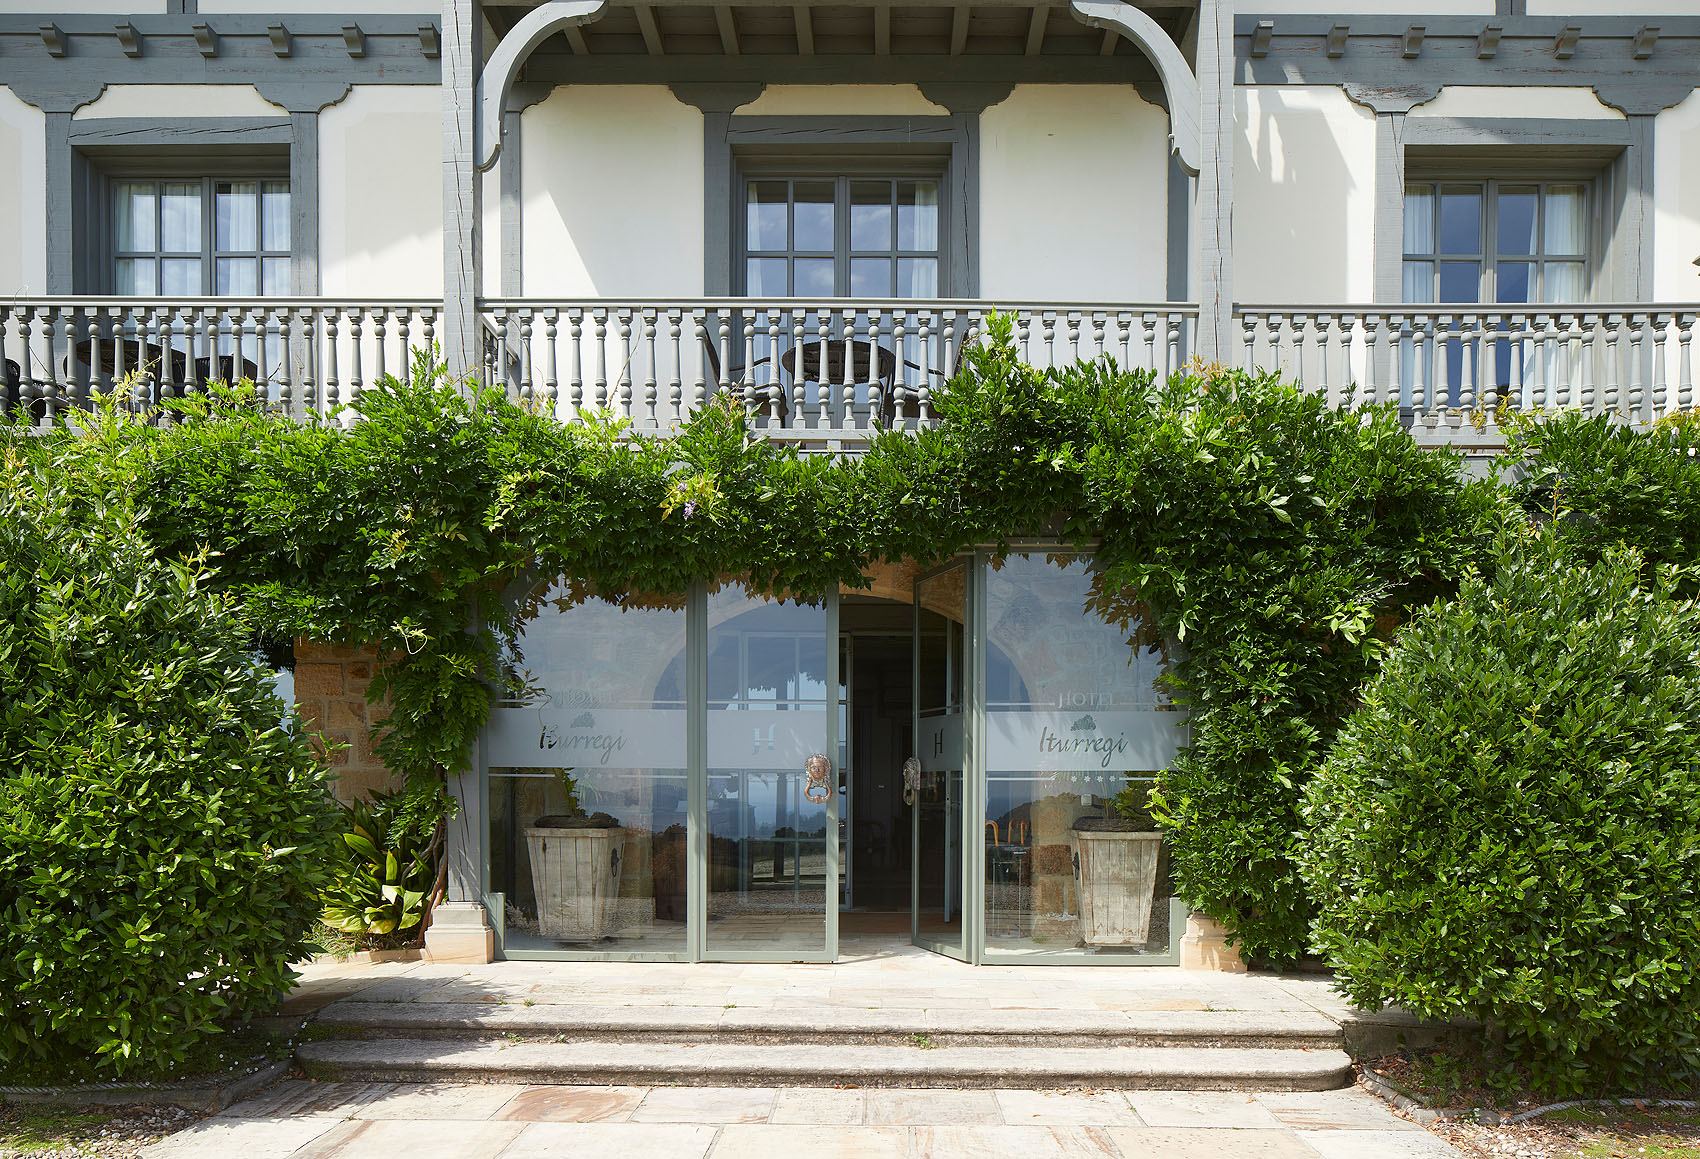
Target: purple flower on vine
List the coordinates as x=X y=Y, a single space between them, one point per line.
x=690 y=508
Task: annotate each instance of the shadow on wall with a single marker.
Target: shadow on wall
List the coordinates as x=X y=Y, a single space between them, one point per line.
x=1296 y=191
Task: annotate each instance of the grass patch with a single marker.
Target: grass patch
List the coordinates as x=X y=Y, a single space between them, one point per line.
x=44 y=1130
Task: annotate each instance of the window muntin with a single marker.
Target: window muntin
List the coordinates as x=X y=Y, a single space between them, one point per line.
x=200 y=237
x=864 y=237
x=1495 y=241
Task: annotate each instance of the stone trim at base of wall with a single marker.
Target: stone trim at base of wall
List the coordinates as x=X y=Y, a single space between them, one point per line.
x=460 y=932
x=1204 y=946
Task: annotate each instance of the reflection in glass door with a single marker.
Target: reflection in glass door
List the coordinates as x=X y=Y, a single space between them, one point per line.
x=772 y=798
x=935 y=792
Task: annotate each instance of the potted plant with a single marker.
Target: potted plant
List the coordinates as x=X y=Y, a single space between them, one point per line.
x=575 y=869
x=1116 y=862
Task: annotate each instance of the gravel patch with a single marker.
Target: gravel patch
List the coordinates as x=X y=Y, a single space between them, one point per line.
x=28 y=1131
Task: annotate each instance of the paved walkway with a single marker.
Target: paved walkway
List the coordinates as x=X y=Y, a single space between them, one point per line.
x=298 y=1119
x=873 y=973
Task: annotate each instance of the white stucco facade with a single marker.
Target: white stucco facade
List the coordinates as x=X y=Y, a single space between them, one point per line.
x=1074 y=195
x=1676 y=202
x=841 y=100
x=1525 y=101
x=1304 y=196
x=23 y=201
x=380 y=193
x=613 y=193
x=177 y=101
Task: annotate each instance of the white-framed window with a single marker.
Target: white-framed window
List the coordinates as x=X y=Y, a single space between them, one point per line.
x=200 y=236
x=1496 y=240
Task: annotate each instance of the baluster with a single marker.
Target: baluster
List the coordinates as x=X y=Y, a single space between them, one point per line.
x=848 y=386
x=1685 y=361
x=675 y=384
x=1422 y=363
x=1637 y=387
x=277 y=350
x=1248 y=342
x=356 y=327
x=1661 y=394
x=699 y=329
x=6 y=401
x=27 y=391
x=552 y=366
x=823 y=380
x=1074 y=335
x=751 y=391
x=404 y=320
x=380 y=333
x=527 y=387
x=575 y=358
x=309 y=365
x=628 y=351
x=1597 y=388
x=899 y=377
x=1024 y=335
x=1049 y=322
x=1614 y=392
x=429 y=316
x=1124 y=339
x=1471 y=385
x=877 y=320
x=599 y=319
x=799 y=393
x=333 y=398
x=1099 y=350
x=646 y=325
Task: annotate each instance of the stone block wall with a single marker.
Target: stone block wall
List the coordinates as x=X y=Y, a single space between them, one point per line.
x=330 y=692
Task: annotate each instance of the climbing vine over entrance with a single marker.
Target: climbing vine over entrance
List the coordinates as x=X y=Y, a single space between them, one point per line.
x=1281 y=540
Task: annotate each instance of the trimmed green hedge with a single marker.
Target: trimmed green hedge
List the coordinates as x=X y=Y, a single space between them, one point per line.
x=160 y=828
x=1509 y=829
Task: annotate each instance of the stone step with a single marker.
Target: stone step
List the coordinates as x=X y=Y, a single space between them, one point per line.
x=647 y=1063
x=827 y=1026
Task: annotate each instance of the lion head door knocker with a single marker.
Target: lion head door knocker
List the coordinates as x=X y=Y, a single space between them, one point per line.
x=911 y=779
x=819 y=771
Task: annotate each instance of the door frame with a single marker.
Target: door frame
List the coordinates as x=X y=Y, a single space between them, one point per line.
x=968 y=949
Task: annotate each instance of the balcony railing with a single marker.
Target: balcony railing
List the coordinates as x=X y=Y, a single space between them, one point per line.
x=830 y=372
x=304 y=355
x=1457 y=370
x=804 y=370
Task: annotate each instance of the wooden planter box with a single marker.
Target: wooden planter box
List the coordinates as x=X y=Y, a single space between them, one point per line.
x=1118 y=883
x=576 y=875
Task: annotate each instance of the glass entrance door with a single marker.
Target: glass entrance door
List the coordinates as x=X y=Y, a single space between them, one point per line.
x=936 y=792
x=772 y=787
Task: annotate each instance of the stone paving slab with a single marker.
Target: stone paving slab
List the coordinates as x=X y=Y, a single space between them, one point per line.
x=785 y=1064
x=455 y=1121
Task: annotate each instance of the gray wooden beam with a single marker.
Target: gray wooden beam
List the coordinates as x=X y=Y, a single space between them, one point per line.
x=805 y=30
x=728 y=29
x=1213 y=274
x=959 y=29
x=859 y=68
x=1388 y=246
x=304 y=204
x=1036 y=29
x=575 y=39
x=882 y=30
x=651 y=31
x=1107 y=47
x=61 y=232
x=460 y=333
x=129 y=40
